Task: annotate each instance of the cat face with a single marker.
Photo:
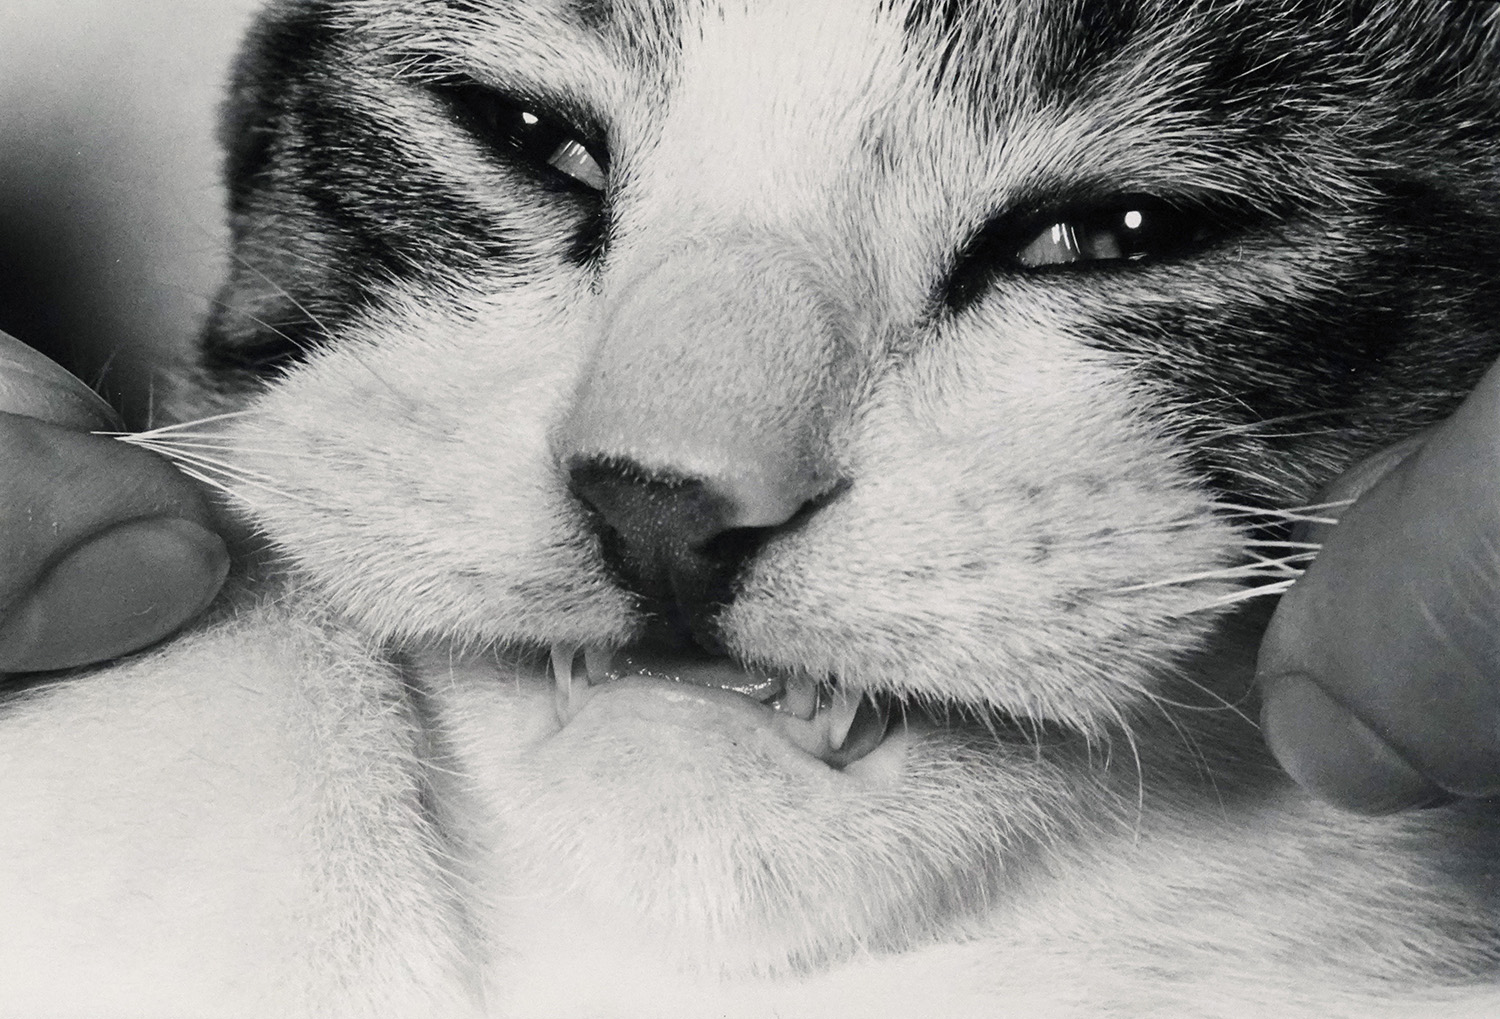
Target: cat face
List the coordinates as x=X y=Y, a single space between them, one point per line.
x=946 y=364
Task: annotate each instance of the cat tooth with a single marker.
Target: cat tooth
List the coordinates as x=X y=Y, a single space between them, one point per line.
x=840 y=713
x=872 y=722
x=799 y=696
x=568 y=689
x=563 y=656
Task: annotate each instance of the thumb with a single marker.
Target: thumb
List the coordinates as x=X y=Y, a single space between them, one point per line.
x=104 y=548
x=1381 y=667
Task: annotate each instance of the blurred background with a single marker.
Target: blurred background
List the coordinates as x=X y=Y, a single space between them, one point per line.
x=111 y=223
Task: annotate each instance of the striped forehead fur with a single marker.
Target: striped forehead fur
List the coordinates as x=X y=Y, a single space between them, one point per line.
x=1300 y=87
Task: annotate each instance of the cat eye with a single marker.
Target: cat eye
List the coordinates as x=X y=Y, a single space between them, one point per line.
x=1133 y=230
x=1121 y=231
x=537 y=138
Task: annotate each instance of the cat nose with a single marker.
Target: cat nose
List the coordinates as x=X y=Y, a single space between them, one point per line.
x=705 y=419
x=678 y=542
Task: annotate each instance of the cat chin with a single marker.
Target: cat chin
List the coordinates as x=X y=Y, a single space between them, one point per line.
x=694 y=825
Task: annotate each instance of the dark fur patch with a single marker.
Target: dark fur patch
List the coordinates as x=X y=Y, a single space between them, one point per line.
x=277 y=52
x=595 y=14
x=1087 y=37
x=1370 y=125
x=329 y=210
x=1390 y=338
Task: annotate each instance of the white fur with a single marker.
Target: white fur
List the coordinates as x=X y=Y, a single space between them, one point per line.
x=348 y=793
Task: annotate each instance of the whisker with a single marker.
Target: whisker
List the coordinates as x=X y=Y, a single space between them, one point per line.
x=221 y=447
x=195 y=465
x=322 y=326
x=232 y=473
x=1161 y=700
x=204 y=479
x=220 y=467
x=226 y=466
x=1184 y=734
x=237 y=310
x=1282 y=563
x=1297 y=514
x=1140 y=772
x=1252 y=569
x=1244 y=594
x=315 y=320
x=1257 y=428
x=179 y=426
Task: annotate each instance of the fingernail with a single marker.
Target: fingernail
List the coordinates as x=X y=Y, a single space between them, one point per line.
x=128 y=587
x=35 y=386
x=1334 y=754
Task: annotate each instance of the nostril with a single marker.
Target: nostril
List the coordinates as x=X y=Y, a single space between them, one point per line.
x=655 y=517
x=670 y=539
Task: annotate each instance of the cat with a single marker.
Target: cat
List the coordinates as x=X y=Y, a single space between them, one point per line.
x=763 y=508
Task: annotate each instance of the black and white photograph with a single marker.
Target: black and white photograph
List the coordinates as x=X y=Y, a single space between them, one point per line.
x=749 y=509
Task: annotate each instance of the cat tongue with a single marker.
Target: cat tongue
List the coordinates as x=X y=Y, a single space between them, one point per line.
x=686 y=667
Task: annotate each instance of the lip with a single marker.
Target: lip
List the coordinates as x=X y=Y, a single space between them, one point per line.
x=824 y=719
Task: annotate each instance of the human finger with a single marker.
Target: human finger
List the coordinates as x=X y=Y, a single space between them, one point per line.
x=106 y=548
x=35 y=386
x=1381 y=667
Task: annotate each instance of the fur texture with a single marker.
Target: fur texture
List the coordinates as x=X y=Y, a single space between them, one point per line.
x=1030 y=504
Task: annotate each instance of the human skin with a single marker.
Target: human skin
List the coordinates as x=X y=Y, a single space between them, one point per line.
x=1381 y=667
x=106 y=548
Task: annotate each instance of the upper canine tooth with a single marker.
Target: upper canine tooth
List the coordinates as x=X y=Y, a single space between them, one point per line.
x=840 y=712
x=869 y=733
x=563 y=656
x=567 y=694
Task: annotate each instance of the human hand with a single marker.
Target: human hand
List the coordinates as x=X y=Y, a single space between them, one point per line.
x=1381 y=667
x=104 y=548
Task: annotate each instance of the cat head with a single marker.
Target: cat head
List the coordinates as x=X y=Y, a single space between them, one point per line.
x=969 y=358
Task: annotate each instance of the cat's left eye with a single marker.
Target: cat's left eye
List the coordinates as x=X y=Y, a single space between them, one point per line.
x=540 y=139
x=1130 y=231
x=573 y=159
x=1121 y=231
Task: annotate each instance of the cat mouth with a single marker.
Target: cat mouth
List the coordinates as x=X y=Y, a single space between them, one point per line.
x=826 y=720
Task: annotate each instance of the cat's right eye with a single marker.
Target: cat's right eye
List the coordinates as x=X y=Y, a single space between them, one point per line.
x=536 y=137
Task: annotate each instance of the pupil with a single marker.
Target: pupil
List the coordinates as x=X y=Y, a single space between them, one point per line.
x=531 y=136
